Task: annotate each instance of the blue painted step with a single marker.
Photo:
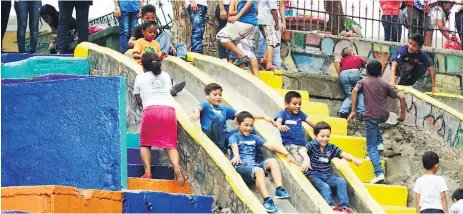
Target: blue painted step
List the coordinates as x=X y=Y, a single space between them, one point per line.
x=158 y=172
x=133 y=156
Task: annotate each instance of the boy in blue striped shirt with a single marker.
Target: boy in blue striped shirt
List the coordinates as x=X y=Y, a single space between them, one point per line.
x=317 y=163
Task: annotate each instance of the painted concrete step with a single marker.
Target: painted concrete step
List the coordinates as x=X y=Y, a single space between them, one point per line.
x=365 y=171
x=133 y=156
x=158 y=172
x=158 y=185
x=396 y=209
x=315 y=108
x=355 y=146
x=304 y=94
x=388 y=195
x=272 y=79
x=338 y=125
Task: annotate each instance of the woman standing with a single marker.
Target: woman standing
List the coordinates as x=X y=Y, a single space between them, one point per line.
x=25 y=8
x=65 y=18
x=158 y=123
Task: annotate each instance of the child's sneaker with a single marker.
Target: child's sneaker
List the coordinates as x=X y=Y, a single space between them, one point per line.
x=177 y=88
x=241 y=60
x=281 y=193
x=270 y=205
x=378 y=179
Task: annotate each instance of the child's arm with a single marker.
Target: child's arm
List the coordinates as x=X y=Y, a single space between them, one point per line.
x=351 y=158
x=417 y=205
x=310 y=122
x=433 y=79
x=282 y=15
x=443 y=199
x=393 y=71
x=282 y=128
x=236 y=155
x=337 y=66
x=275 y=18
x=139 y=101
x=137 y=50
x=196 y=114
x=232 y=8
x=259 y=117
x=280 y=149
x=403 y=104
x=131 y=42
x=306 y=162
x=245 y=9
x=354 y=105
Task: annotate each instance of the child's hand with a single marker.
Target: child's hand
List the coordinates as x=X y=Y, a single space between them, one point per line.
x=236 y=160
x=163 y=55
x=356 y=161
x=292 y=159
x=194 y=118
x=351 y=117
x=232 y=19
x=402 y=117
x=283 y=128
x=223 y=14
x=306 y=166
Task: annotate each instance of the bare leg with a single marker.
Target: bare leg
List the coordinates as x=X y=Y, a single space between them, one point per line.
x=232 y=47
x=269 y=54
x=260 y=182
x=254 y=66
x=428 y=38
x=274 y=167
x=174 y=158
x=145 y=153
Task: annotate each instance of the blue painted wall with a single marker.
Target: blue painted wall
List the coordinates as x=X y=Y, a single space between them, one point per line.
x=42 y=65
x=13 y=57
x=159 y=202
x=65 y=132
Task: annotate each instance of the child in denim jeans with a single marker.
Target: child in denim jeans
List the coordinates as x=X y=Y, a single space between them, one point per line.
x=376 y=92
x=317 y=163
x=197 y=11
x=348 y=69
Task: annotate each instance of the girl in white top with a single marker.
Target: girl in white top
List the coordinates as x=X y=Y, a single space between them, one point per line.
x=158 y=123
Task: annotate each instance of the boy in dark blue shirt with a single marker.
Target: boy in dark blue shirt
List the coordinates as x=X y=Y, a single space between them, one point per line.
x=213 y=116
x=244 y=146
x=410 y=63
x=317 y=164
x=289 y=122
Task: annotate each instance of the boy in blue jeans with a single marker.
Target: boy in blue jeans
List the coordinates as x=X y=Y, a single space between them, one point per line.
x=213 y=116
x=375 y=91
x=127 y=11
x=317 y=164
x=289 y=122
x=244 y=146
x=197 y=10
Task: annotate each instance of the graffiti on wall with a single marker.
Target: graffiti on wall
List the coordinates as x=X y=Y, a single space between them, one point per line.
x=315 y=53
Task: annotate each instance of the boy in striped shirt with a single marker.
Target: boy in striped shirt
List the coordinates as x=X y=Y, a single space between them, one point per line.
x=317 y=163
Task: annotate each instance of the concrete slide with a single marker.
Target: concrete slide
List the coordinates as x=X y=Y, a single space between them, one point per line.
x=365 y=197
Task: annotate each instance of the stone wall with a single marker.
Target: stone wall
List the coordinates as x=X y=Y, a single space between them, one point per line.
x=315 y=53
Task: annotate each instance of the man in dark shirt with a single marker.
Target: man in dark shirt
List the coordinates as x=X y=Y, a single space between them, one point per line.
x=410 y=63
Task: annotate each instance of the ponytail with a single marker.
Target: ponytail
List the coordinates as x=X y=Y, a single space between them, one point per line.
x=151 y=62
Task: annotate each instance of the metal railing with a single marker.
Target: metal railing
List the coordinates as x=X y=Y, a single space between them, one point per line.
x=361 y=17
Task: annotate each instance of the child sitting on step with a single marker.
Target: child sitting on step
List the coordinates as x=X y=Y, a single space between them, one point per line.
x=244 y=146
x=317 y=163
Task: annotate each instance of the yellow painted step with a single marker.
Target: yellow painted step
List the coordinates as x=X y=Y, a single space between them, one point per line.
x=355 y=146
x=315 y=108
x=388 y=195
x=395 y=209
x=272 y=79
x=365 y=171
x=304 y=94
x=338 y=125
x=190 y=58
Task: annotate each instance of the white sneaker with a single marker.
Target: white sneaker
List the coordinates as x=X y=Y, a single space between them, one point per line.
x=380 y=147
x=378 y=179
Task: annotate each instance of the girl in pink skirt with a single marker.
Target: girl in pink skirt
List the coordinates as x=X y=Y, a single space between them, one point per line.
x=158 y=123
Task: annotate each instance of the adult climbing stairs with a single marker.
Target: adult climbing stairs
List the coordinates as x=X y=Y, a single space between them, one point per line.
x=268 y=93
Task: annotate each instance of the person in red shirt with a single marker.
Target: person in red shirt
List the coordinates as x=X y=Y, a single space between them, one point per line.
x=348 y=69
x=390 y=20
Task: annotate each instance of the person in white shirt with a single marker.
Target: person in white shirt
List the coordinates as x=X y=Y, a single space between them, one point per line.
x=197 y=11
x=267 y=17
x=430 y=188
x=158 y=123
x=457 y=198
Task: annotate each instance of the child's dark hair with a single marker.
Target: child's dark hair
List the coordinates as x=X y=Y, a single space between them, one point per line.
x=290 y=95
x=347 y=51
x=320 y=126
x=148 y=24
x=151 y=62
x=243 y=115
x=374 y=68
x=418 y=38
x=212 y=87
x=430 y=159
x=47 y=9
x=458 y=194
x=149 y=8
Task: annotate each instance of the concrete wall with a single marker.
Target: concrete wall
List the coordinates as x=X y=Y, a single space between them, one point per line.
x=160 y=202
x=41 y=65
x=13 y=57
x=315 y=53
x=65 y=132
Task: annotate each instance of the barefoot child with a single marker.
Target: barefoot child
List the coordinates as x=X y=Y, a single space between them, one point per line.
x=213 y=116
x=375 y=91
x=317 y=163
x=158 y=123
x=244 y=146
x=289 y=122
x=430 y=188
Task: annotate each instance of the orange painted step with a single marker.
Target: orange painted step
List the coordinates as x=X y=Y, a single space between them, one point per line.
x=159 y=185
x=56 y=199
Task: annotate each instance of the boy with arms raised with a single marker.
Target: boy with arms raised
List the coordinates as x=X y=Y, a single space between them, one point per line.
x=244 y=146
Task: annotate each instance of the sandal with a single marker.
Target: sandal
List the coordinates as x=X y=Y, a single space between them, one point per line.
x=147 y=175
x=271 y=67
x=179 y=176
x=263 y=61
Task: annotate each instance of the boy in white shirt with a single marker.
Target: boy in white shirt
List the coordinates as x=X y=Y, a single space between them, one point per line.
x=430 y=188
x=457 y=206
